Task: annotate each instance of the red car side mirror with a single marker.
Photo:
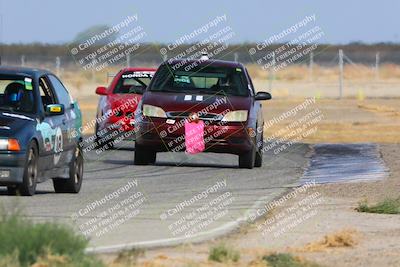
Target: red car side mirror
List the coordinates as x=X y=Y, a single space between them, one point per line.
x=101 y=90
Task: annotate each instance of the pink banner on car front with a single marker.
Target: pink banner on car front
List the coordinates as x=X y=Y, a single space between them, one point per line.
x=194 y=137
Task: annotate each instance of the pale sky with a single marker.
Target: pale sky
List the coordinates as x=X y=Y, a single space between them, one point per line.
x=50 y=21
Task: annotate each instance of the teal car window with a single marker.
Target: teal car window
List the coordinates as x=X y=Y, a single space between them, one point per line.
x=16 y=94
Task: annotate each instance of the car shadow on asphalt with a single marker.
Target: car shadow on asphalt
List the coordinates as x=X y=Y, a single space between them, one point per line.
x=191 y=164
x=172 y=164
x=3 y=192
x=123 y=148
x=117 y=162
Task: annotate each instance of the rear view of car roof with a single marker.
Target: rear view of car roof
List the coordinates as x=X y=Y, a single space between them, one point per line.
x=209 y=62
x=12 y=70
x=137 y=69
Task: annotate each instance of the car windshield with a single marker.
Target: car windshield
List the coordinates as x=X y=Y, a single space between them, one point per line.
x=16 y=94
x=200 y=79
x=133 y=82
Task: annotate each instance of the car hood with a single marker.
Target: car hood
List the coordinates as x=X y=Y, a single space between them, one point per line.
x=117 y=100
x=11 y=123
x=187 y=102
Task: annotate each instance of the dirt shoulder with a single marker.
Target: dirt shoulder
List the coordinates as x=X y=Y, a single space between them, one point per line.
x=330 y=231
x=373 y=239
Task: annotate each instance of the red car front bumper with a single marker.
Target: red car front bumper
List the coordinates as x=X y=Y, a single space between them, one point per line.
x=158 y=135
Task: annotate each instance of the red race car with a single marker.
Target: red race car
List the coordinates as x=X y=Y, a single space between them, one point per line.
x=201 y=105
x=117 y=105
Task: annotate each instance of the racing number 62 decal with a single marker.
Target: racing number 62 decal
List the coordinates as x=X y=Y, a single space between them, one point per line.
x=58 y=146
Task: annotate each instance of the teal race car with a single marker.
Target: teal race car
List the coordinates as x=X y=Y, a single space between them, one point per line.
x=40 y=133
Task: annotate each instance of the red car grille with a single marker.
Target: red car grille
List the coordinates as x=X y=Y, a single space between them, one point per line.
x=185 y=114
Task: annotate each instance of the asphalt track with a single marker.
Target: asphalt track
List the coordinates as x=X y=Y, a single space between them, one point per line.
x=179 y=199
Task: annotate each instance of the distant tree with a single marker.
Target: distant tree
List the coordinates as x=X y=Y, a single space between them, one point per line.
x=355 y=43
x=96 y=30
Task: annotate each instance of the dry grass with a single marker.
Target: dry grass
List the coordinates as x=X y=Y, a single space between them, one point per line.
x=321 y=73
x=50 y=260
x=355 y=132
x=380 y=109
x=344 y=121
x=341 y=239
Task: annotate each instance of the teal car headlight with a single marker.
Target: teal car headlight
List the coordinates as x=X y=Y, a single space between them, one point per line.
x=9 y=145
x=3 y=144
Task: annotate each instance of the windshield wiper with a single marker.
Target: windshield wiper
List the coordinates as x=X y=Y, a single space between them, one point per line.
x=169 y=91
x=208 y=92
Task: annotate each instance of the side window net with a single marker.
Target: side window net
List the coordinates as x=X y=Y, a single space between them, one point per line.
x=46 y=93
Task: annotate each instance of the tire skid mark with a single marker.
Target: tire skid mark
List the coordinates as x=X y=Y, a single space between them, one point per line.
x=333 y=163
